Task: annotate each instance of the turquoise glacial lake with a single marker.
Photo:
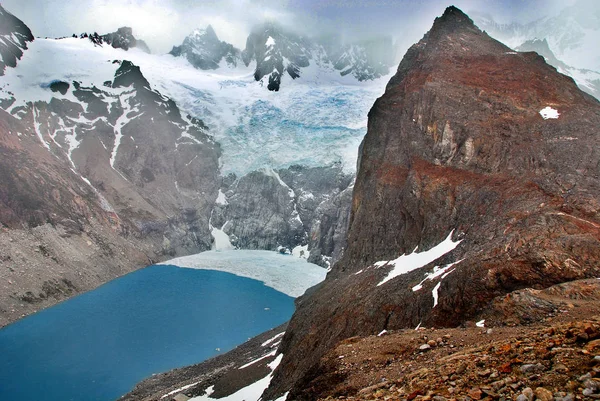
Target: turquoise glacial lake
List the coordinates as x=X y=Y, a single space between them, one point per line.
x=98 y=345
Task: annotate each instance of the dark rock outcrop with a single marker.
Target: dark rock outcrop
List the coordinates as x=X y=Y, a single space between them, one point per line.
x=205 y=51
x=458 y=145
x=14 y=35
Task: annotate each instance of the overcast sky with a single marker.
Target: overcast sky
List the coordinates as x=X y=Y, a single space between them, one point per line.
x=164 y=23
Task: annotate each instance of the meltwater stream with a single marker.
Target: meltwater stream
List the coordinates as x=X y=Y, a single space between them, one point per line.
x=98 y=345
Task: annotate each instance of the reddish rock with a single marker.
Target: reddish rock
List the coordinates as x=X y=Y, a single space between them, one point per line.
x=457 y=144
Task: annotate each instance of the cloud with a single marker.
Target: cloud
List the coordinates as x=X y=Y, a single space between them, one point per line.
x=164 y=23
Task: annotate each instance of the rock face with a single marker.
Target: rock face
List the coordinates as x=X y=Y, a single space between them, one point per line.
x=205 y=51
x=287 y=208
x=459 y=146
x=14 y=35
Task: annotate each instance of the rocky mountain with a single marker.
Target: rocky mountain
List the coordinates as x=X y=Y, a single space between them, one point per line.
x=478 y=177
x=587 y=80
x=121 y=39
x=364 y=59
x=205 y=51
x=14 y=35
x=97 y=180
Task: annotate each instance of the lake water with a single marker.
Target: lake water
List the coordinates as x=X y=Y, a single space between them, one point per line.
x=98 y=345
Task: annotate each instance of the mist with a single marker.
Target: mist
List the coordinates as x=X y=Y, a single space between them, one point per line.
x=165 y=23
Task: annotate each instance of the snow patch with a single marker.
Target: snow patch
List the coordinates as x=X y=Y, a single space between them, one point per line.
x=222 y=241
x=253 y=392
x=407 y=263
x=480 y=323
x=549 y=112
x=270 y=42
x=272 y=353
x=221 y=199
x=301 y=252
x=272 y=339
x=437 y=272
x=209 y=390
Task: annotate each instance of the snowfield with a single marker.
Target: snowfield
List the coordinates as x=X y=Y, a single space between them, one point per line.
x=315 y=120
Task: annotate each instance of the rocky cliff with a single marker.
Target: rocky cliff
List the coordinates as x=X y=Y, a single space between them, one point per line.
x=478 y=177
x=297 y=210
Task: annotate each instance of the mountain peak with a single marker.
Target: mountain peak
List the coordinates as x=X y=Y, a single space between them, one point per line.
x=453 y=20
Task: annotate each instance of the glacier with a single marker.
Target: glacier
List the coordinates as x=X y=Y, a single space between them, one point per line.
x=315 y=120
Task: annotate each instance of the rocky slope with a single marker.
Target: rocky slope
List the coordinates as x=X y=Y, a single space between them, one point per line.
x=14 y=35
x=547 y=348
x=480 y=165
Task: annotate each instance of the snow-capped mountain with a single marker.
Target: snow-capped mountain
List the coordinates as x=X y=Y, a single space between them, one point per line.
x=276 y=53
x=205 y=51
x=14 y=36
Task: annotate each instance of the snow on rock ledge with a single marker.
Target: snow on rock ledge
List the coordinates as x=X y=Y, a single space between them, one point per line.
x=407 y=263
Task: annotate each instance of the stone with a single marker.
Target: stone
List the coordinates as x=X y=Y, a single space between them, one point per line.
x=531 y=368
x=543 y=394
x=475 y=393
x=425 y=347
x=528 y=392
